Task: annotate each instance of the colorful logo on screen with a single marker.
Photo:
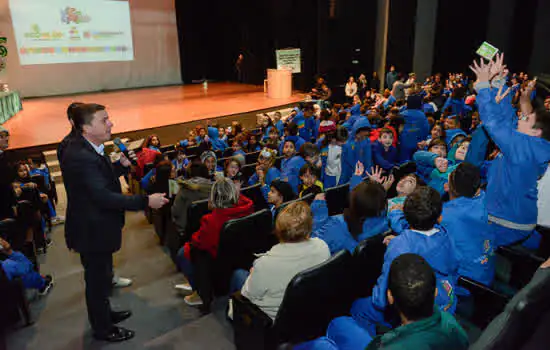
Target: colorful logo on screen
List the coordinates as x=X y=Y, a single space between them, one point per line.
x=71 y=15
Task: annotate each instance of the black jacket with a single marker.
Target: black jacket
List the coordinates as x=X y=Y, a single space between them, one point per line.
x=7 y=196
x=65 y=143
x=95 y=204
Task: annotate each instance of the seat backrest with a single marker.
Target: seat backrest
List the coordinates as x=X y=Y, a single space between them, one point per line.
x=524 y=264
x=313 y=298
x=40 y=181
x=193 y=150
x=337 y=199
x=255 y=194
x=252 y=157
x=167 y=148
x=240 y=239
x=195 y=212
x=221 y=161
x=170 y=154
x=228 y=152
x=248 y=170
x=368 y=259
x=278 y=162
x=520 y=319
x=148 y=167
x=218 y=153
x=487 y=303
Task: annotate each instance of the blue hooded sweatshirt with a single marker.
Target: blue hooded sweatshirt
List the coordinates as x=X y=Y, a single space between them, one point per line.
x=354 y=150
x=466 y=221
x=334 y=229
x=280 y=127
x=437 y=248
x=217 y=143
x=385 y=159
x=290 y=171
x=522 y=160
x=272 y=174
x=416 y=129
x=451 y=134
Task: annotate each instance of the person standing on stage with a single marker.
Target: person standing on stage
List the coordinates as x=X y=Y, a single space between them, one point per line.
x=95 y=213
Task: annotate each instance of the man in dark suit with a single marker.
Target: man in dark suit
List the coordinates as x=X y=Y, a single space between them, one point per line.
x=95 y=213
x=67 y=139
x=7 y=196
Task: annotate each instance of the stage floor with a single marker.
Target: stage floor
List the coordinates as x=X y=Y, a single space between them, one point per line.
x=43 y=121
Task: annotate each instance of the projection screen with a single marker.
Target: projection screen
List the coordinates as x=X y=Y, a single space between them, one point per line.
x=71 y=46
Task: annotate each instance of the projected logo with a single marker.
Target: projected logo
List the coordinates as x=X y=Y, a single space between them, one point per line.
x=71 y=15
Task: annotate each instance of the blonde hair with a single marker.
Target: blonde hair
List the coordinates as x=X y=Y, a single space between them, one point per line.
x=294 y=223
x=224 y=194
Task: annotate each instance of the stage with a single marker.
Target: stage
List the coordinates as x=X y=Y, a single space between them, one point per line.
x=43 y=121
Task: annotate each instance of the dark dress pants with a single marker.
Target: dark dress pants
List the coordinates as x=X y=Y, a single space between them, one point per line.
x=98 y=274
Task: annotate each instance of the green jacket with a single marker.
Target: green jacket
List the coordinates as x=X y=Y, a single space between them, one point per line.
x=440 y=331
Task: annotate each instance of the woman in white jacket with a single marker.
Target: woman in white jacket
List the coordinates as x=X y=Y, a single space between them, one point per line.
x=296 y=252
x=351 y=88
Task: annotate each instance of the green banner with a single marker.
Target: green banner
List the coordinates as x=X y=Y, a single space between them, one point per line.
x=3 y=48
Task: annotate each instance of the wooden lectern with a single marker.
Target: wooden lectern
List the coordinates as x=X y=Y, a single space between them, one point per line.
x=279 y=83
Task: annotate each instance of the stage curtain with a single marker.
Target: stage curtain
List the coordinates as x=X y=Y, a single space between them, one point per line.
x=156 y=58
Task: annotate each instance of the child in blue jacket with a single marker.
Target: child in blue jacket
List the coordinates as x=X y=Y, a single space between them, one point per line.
x=364 y=218
x=215 y=141
x=525 y=153
x=452 y=130
x=465 y=218
x=384 y=154
x=426 y=238
x=331 y=154
x=358 y=148
x=292 y=135
x=266 y=171
x=415 y=130
x=291 y=165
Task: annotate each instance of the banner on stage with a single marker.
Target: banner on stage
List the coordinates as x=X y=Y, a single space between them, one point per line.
x=289 y=59
x=72 y=31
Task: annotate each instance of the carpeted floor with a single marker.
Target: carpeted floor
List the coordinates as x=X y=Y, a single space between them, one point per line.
x=160 y=317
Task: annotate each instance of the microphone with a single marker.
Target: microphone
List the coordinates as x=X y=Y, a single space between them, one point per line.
x=124 y=150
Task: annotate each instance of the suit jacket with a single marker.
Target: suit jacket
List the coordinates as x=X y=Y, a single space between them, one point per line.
x=65 y=143
x=95 y=204
x=7 y=196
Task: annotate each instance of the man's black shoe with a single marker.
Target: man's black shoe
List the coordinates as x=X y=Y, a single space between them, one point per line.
x=119 y=316
x=115 y=335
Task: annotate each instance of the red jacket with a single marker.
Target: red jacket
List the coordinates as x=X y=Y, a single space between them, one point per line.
x=145 y=156
x=208 y=236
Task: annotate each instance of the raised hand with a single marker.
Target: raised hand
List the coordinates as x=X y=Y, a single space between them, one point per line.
x=497 y=66
x=441 y=164
x=482 y=71
x=158 y=200
x=388 y=182
x=376 y=175
x=359 y=169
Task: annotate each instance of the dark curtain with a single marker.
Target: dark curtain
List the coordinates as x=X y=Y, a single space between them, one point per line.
x=401 y=31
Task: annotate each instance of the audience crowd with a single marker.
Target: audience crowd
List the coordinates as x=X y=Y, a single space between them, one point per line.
x=447 y=170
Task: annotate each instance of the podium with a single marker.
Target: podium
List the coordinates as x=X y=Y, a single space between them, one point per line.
x=279 y=83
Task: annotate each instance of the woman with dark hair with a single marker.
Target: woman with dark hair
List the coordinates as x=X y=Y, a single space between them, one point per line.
x=266 y=124
x=365 y=217
x=253 y=145
x=152 y=142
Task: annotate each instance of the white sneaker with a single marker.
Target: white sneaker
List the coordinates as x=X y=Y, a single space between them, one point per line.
x=121 y=282
x=184 y=287
x=193 y=299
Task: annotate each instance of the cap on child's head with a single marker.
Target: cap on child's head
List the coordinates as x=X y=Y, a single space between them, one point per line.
x=423 y=208
x=465 y=180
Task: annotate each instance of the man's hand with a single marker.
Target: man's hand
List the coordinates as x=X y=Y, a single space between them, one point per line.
x=396 y=207
x=441 y=164
x=158 y=200
x=124 y=161
x=497 y=67
x=421 y=144
x=320 y=197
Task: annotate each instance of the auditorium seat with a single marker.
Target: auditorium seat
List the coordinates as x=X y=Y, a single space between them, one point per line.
x=312 y=299
x=218 y=153
x=228 y=152
x=482 y=305
x=254 y=192
x=368 y=259
x=521 y=319
x=337 y=199
x=252 y=157
x=167 y=148
x=194 y=151
x=248 y=170
x=148 y=167
x=161 y=219
x=195 y=212
x=221 y=161
x=170 y=154
x=523 y=263
x=14 y=302
x=308 y=198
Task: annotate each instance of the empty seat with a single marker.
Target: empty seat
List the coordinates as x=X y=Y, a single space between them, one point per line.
x=312 y=299
x=524 y=264
x=194 y=151
x=337 y=199
x=254 y=192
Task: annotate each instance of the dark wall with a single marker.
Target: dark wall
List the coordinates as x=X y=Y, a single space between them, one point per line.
x=460 y=31
x=401 y=31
